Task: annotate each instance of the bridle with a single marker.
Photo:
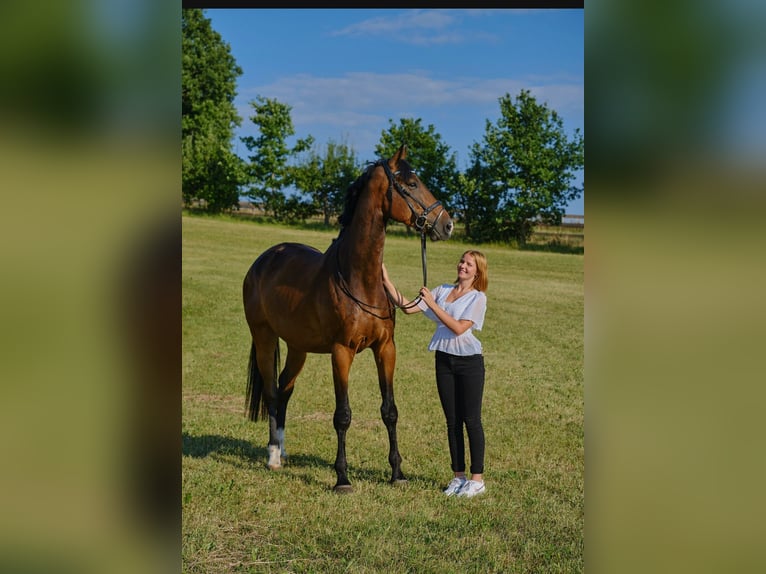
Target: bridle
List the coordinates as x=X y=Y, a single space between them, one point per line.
x=421 y=224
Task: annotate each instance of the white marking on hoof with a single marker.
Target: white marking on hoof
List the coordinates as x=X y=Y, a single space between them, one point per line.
x=275 y=462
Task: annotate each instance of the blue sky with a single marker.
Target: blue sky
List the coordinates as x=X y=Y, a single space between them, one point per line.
x=345 y=72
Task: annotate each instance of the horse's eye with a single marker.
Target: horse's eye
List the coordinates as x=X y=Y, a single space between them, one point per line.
x=412 y=184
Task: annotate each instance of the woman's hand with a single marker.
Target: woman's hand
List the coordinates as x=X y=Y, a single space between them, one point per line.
x=427 y=296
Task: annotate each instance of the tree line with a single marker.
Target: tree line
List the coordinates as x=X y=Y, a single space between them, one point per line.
x=520 y=173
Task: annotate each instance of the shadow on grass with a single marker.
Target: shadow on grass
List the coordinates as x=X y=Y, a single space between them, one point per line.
x=205 y=445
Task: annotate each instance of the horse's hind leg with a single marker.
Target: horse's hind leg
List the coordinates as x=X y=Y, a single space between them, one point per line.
x=267 y=358
x=385 y=360
x=293 y=366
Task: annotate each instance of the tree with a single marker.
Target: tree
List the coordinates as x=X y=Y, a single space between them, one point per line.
x=326 y=178
x=268 y=170
x=470 y=204
x=211 y=172
x=524 y=171
x=426 y=152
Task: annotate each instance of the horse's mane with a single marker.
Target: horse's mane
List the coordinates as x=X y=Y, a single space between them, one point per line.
x=355 y=189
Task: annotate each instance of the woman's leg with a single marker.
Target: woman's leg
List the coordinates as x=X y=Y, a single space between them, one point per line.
x=445 y=384
x=469 y=377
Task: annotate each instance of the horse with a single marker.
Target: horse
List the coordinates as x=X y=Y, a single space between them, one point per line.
x=335 y=302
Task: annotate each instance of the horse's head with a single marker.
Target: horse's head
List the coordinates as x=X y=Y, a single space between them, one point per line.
x=411 y=202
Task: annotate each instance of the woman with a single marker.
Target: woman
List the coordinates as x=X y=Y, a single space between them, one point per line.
x=458 y=309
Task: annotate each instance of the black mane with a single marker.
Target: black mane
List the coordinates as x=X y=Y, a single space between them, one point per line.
x=352 y=196
x=355 y=189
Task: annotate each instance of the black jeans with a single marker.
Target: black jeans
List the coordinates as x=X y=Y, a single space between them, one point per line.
x=460 y=381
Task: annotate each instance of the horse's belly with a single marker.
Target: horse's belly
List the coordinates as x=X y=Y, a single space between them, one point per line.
x=313 y=333
x=288 y=291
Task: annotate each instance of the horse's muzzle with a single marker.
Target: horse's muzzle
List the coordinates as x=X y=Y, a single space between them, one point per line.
x=442 y=227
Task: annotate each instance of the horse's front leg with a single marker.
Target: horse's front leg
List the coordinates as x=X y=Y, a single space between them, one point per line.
x=385 y=359
x=342 y=357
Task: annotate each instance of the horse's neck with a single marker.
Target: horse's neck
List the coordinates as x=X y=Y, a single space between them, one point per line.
x=361 y=249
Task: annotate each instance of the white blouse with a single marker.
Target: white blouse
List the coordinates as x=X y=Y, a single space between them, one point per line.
x=471 y=306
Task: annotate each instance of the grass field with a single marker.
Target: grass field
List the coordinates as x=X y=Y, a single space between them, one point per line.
x=240 y=517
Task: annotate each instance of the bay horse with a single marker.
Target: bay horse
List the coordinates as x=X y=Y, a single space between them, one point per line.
x=335 y=302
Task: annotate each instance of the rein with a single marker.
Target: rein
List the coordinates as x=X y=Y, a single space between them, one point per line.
x=417 y=299
x=366 y=307
x=421 y=225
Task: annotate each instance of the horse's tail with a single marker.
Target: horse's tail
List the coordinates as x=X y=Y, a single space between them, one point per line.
x=254 y=395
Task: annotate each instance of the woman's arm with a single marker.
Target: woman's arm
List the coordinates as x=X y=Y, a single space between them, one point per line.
x=457 y=327
x=400 y=299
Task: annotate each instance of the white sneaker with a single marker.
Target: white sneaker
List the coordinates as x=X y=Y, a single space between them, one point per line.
x=455 y=485
x=471 y=488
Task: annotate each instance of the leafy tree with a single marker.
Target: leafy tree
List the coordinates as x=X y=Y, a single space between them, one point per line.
x=268 y=170
x=210 y=170
x=292 y=208
x=427 y=153
x=469 y=203
x=326 y=178
x=524 y=171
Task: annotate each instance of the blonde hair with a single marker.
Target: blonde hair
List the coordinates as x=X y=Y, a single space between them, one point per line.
x=481 y=281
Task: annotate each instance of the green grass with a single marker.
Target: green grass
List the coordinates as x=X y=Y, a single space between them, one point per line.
x=240 y=517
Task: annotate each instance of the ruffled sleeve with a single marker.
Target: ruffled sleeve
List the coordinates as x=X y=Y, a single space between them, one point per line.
x=475 y=310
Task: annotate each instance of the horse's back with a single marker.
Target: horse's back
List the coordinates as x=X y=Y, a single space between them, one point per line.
x=285 y=255
x=280 y=286
x=283 y=264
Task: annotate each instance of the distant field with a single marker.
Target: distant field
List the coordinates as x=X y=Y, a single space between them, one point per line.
x=240 y=517
x=569 y=237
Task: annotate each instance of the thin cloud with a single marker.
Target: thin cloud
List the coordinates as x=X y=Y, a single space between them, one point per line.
x=367 y=91
x=355 y=90
x=425 y=27
x=438 y=40
x=403 y=21
x=419 y=28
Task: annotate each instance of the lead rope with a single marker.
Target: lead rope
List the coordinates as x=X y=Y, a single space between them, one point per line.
x=424 y=263
x=423 y=257
x=366 y=306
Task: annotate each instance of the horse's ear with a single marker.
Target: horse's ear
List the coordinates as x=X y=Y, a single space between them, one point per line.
x=399 y=155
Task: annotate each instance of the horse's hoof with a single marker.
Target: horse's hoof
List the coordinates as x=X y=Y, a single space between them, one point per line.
x=400 y=482
x=343 y=488
x=275 y=462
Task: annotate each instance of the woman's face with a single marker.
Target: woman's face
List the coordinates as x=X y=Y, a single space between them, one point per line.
x=466 y=269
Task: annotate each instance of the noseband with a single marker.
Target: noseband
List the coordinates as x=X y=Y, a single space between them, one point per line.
x=421 y=221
